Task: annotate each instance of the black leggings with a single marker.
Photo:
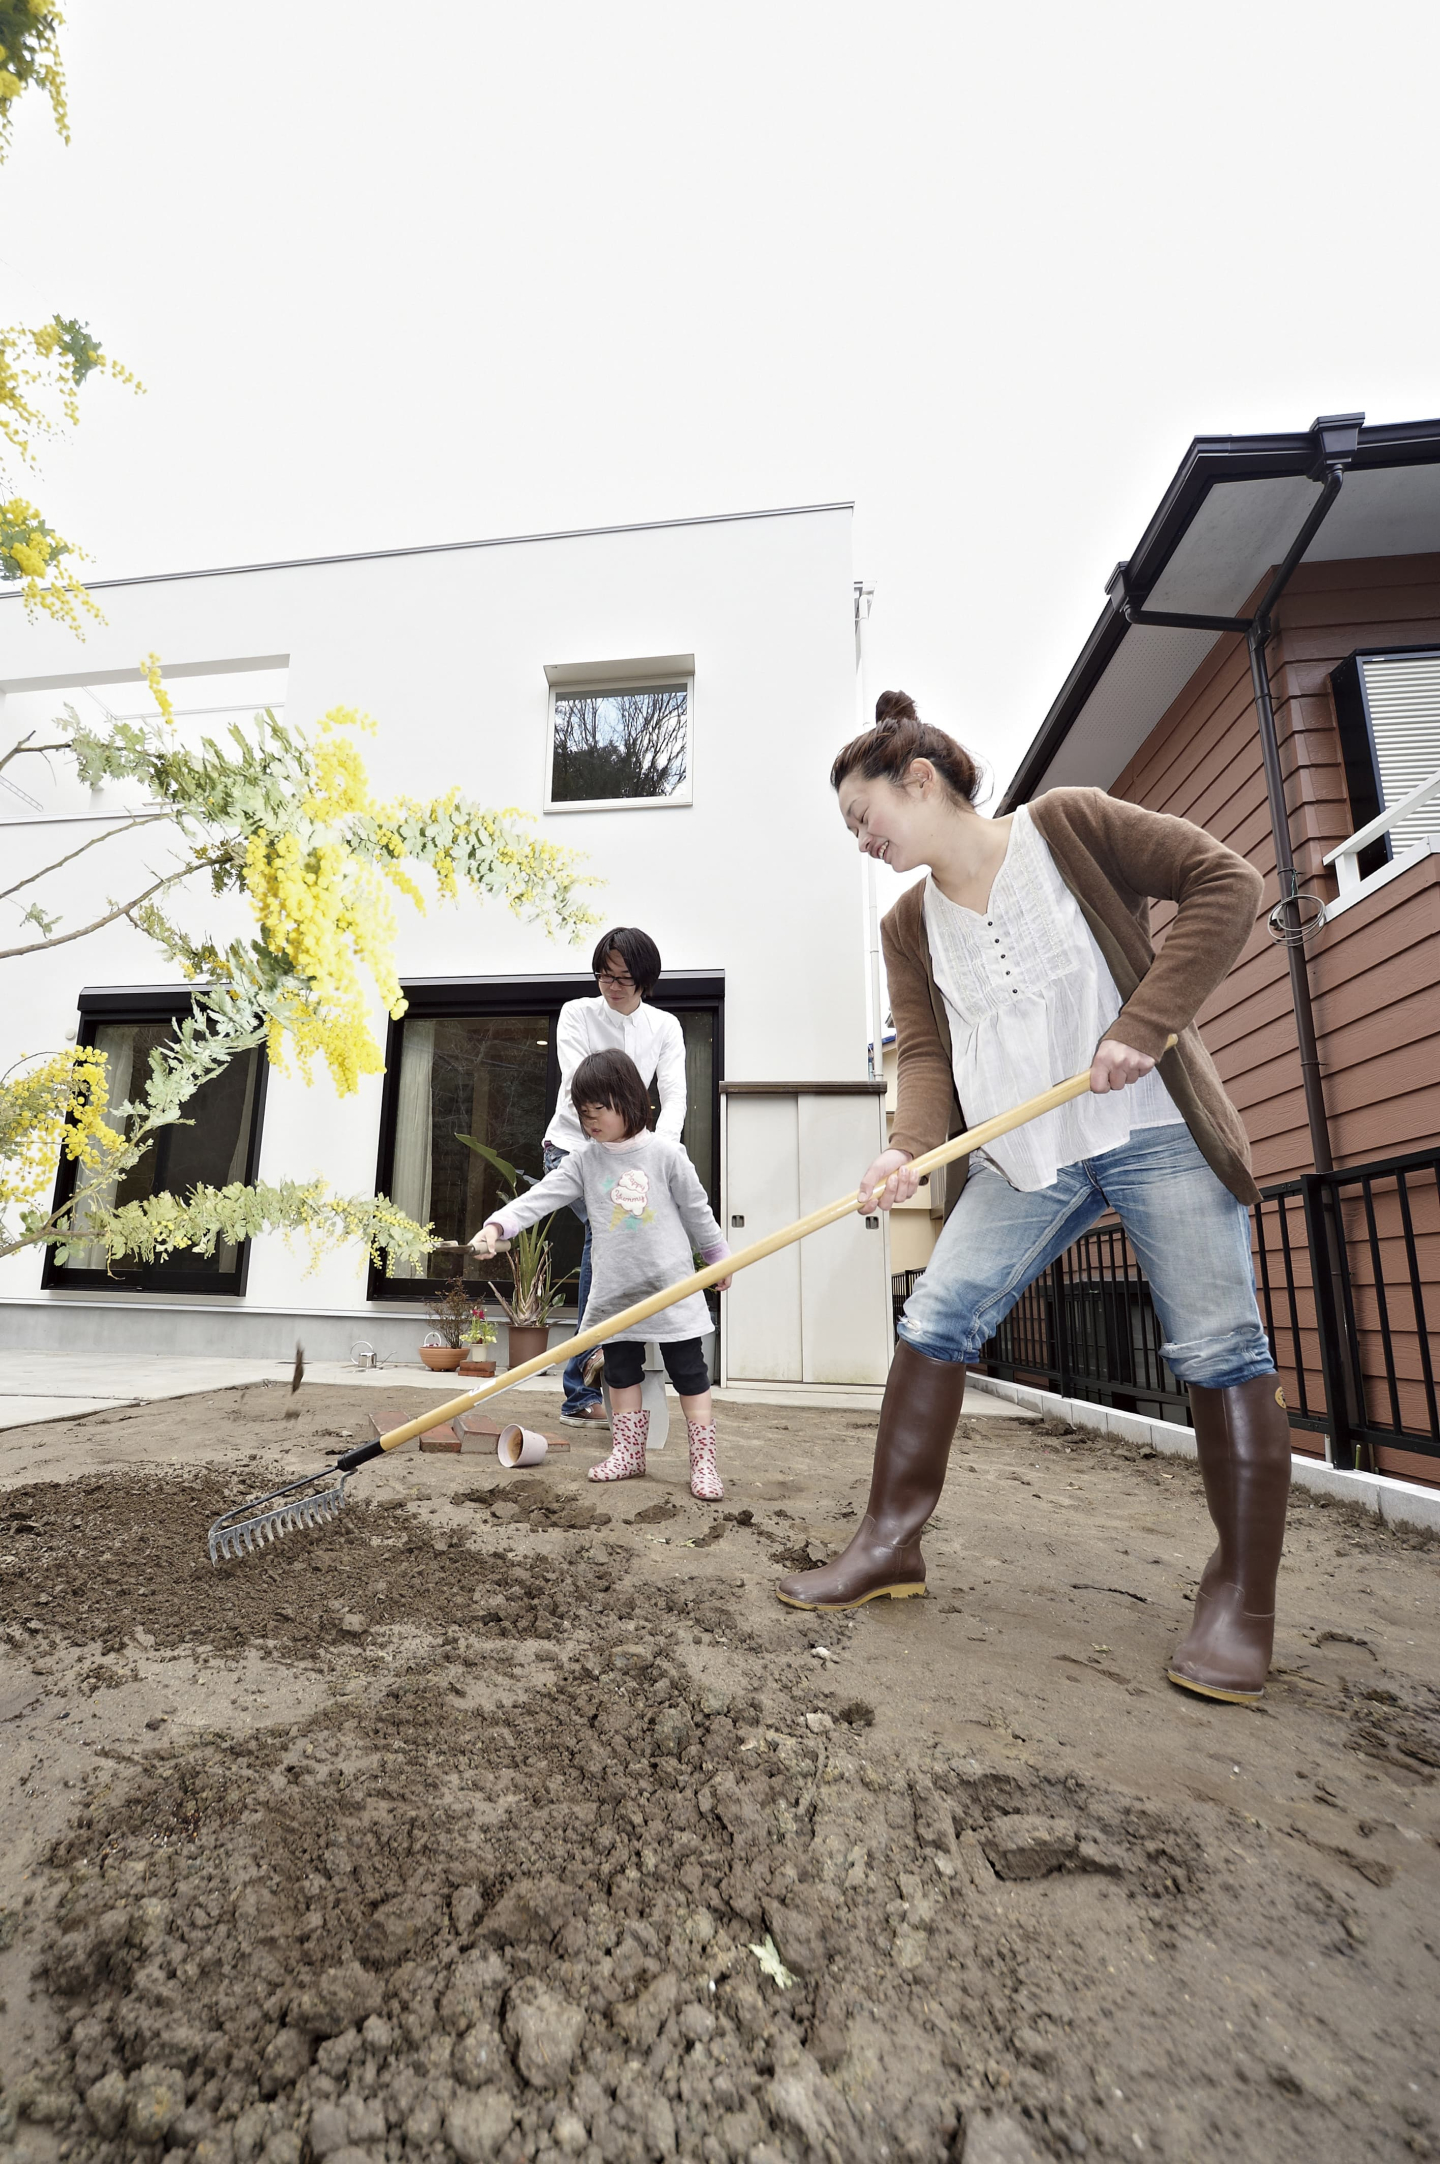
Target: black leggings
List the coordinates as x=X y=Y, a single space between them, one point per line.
x=684 y=1364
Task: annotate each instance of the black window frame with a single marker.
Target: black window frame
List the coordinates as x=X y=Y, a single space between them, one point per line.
x=151 y=1003
x=1357 y=744
x=471 y=998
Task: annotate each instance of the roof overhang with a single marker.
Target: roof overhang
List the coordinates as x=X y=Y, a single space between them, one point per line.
x=1230 y=514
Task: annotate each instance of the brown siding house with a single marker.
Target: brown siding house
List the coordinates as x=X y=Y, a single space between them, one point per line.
x=1374 y=970
x=1163 y=708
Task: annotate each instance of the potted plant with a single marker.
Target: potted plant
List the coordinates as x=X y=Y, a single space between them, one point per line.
x=446 y=1345
x=533 y=1296
x=479 y=1334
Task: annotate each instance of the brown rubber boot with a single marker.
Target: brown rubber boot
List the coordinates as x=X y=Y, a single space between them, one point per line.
x=1243 y=1438
x=917 y=1425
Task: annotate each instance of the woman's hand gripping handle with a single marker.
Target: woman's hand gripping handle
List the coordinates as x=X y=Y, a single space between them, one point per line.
x=888 y=1181
x=1116 y=1066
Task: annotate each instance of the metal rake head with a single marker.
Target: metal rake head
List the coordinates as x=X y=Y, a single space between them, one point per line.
x=264 y=1518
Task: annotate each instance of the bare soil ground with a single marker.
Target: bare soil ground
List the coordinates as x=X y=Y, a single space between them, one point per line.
x=451 y=1830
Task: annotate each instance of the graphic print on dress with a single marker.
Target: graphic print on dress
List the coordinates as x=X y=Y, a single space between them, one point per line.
x=629 y=1192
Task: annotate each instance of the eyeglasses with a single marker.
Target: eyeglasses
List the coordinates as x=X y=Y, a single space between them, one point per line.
x=621 y=984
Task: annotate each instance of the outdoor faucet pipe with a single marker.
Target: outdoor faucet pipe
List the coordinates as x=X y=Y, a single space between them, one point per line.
x=256 y=1522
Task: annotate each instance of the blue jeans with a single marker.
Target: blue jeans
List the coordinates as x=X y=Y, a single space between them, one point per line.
x=578 y=1393
x=1190 y=1234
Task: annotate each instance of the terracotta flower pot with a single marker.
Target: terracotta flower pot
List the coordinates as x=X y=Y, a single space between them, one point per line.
x=446 y=1357
x=526 y=1343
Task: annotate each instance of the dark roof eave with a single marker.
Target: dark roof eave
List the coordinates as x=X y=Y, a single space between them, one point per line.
x=1094 y=659
x=1209 y=459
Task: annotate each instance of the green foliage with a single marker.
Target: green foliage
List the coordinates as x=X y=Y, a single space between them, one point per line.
x=165 y=1224
x=30 y=53
x=502 y=1165
x=79 y=348
x=534 y=1296
x=28 y=547
x=251 y=812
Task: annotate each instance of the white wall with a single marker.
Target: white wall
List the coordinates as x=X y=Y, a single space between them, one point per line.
x=816 y=1314
x=448 y=651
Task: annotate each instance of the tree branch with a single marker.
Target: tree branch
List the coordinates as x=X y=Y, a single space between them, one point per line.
x=61 y=939
x=142 y=819
x=34 y=749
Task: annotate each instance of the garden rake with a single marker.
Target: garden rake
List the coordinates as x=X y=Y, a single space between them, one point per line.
x=320 y=1496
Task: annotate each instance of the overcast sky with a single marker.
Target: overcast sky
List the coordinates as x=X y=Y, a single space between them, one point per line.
x=451 y=270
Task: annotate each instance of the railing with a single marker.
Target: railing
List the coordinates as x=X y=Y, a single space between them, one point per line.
x=1089 y=1326
x=1346 y=859
x=1347 y=1270
x=902 y=1284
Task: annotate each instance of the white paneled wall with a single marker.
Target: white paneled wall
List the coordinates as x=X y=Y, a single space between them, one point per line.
x=761 y=1183
x=817 y=1314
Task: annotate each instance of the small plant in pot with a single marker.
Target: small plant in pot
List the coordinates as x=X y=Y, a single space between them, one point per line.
x=445 y=1345
x=533 y=1296
x=479 y=1338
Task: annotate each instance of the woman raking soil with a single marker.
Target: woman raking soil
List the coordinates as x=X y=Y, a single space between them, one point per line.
x=1024 y=955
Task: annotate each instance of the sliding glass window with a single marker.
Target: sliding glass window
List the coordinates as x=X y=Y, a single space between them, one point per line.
x=471 y=1069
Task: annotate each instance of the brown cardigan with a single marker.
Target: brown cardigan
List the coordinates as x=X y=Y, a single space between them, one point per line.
x=1113 y=857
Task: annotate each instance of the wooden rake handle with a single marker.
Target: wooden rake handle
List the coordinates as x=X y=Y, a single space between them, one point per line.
x=974 y=1138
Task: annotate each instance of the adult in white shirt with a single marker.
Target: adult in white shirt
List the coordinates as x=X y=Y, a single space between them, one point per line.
x=626 y=963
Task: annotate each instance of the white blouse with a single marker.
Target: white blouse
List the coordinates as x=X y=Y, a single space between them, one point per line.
x=653 y=1039
x=1029 y=996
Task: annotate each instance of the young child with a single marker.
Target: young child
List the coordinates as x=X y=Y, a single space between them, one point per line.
x=648 y=1214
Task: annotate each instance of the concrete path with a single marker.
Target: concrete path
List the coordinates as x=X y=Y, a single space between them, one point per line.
x=39 y=1386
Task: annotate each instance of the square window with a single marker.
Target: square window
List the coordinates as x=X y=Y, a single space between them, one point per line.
x=618 y=745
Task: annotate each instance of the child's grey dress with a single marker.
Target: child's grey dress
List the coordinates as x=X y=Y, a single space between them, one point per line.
x=649 y=1216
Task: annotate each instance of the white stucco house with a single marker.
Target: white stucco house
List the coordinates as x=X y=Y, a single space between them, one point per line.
x=478 y=662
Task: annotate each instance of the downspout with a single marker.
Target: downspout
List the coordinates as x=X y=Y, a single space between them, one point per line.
x=1316 y=1117
x=1337 y=436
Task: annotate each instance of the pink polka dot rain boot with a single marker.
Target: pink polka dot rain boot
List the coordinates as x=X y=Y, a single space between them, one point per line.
x=705 y=1482
x=627 y=1456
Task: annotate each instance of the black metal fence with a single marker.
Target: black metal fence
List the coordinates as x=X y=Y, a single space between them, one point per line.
x=1347 y=1268
x=1089 y=1326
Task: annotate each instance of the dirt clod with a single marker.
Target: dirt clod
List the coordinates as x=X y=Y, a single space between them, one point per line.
x=1028 y=1846
x=998 y=2137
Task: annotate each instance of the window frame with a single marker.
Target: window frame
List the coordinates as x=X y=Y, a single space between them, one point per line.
x=608 y=680
x=1358 y=750
x=471 y=998
x=99 y=1004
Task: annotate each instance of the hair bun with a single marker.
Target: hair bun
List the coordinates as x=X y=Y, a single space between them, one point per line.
x=893 y=708
x=898 y=738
